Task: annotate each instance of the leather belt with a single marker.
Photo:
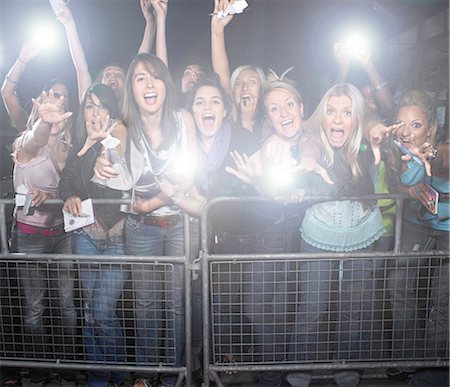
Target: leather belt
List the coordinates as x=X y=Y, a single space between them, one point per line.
x=164 y=221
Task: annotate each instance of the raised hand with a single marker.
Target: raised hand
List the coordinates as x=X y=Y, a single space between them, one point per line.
x=96 y=131
x=160 y=8
x=147 y=10
x=220 y=24
x=29 y=50
x=245 y=171
x=63 y=13
x=51 y=109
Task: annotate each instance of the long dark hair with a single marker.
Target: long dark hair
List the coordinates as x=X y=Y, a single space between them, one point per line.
x=213 y=80
x=130 y=109
x=107 y=98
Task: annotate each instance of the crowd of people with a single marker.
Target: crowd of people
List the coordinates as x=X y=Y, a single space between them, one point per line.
x=217 y=133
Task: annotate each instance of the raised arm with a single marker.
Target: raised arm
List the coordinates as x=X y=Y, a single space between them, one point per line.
x=160 y=7
x=342 y=57
x=50 y=111
x=84 y=79
x=149 y=32
x=219 y=56
x=381 y=92
x=18 y=115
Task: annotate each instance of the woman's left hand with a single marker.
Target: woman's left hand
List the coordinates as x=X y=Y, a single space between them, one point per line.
x=245 y=168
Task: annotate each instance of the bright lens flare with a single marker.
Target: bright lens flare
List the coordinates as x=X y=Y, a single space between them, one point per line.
x=281 y=174
x=44 y=37
x=356 y=43
x=182 y=166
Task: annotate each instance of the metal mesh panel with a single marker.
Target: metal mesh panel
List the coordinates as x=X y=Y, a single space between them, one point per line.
x=44 y=312
x=322 y=310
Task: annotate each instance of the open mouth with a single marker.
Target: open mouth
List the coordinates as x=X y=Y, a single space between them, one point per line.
x=208 y=120
x=287 y=122
x=150 y=98
x=337 y=134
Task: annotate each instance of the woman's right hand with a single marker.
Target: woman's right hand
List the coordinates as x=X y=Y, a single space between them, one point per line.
x=218 y=24
x=103 y=168
x=64 y=15
x=72 y=205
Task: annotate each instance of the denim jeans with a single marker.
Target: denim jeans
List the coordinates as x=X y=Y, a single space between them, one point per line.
x=102 y=285
x=411 y=329
x=264 y=293
x=158 y=288
x=34 y=279
x=354 y=307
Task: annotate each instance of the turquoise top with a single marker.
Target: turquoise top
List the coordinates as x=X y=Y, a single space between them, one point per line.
x=342 y=225
x=415 y=212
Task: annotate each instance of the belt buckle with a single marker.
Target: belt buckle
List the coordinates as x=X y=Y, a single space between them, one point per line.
x=163 y=222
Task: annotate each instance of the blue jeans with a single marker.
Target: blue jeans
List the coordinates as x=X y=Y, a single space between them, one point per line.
x=102 y=285
x=354 y=310
x=411 y=329
x=158 y=292
x=34 y=277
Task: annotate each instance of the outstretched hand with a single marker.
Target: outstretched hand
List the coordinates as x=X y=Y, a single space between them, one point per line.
x=377 y=134
x=245 y=171
x=308 y=164
x=96 y=131
x=63 y=13
x=51 y=109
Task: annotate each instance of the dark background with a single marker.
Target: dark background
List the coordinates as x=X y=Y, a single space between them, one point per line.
x=273 y=34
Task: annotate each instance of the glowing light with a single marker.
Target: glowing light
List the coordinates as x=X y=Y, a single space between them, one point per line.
x=357 y=42
x=44 y=37
x=182 y=166
x=281 y=174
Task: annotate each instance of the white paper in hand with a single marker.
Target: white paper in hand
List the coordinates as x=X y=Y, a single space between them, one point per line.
x=21 y=194
x=85 y=219
x=110 y=144
x=237 y=7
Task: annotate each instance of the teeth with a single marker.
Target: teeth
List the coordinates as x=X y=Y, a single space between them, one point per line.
x=208 y=117
x=286 y=122
x=150 y=95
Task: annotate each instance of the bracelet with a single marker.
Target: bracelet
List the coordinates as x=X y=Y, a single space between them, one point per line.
x=8 y=78
x=380 y=86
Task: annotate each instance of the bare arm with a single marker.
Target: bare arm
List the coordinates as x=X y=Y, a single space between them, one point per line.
x=51 y=112
x=160 y=7
x=219 y=56
x=84 y=79
x=149 y=32
x=18 y=115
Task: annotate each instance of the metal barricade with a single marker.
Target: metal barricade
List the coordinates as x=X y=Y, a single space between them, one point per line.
x=257 y=318
x=55 y=331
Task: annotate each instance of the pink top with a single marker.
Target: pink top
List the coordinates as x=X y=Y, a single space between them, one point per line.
x=38 y=174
